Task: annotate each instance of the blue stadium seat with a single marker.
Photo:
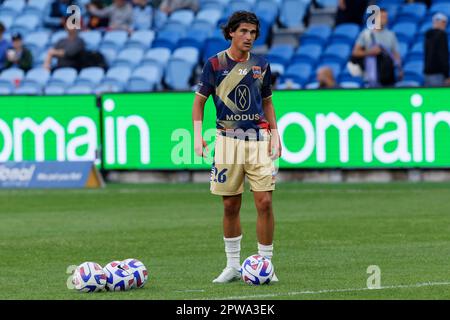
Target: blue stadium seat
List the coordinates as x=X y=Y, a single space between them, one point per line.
x=211 y=16
x=267 y=9
x=345 y=33
x=141 y=39
x=36 y=42
x=292 y=13
x=338 y=53
x=56 y=36
x=413 y=12
x=328 y=3
x=28 y=90
x=415 y=53
x=197 y=36
x=213 y=45
x=144 y=78
x=13 y=76
x=405 y=31
x=297 y=73
x=440 y=7
x=189 y=54
x=36 y=7
x=107 y=87
x=167 y=39
x=264 y=28
x=110 y=55
x=309 y=53
x=280 y=53
x=13 y=6
x=413 y=71
x=348 y=81
x=5 y=90
x=114 y=39
x=129 y=57
x=407 y=84
x=56 y=89
x=183 y=16
x=212 y=4
x=92 y=39
x=277 y=68
x=403 y=48
x=90 y=76
x=316 y=34
x=236 y=5
x=178 y=73
x=37 y=76
x=158 y=57
x=79 y=89
x=118 y=76
x=63 y=75
x=6 y=19
x=25 y=24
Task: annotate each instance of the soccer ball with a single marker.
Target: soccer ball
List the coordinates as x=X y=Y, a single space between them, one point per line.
x=118 y=277
x=139 y=271
x=257 y=270
x=89 y=277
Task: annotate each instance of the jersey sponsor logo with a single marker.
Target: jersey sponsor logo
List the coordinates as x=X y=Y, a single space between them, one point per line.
x=256 y=72
x=242 y=97
x=243 y=117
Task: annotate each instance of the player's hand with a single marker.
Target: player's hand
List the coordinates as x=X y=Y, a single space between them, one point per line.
x=199 y=145
x=275 y=147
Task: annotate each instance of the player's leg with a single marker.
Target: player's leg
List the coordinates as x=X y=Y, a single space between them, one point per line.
x=232 y=238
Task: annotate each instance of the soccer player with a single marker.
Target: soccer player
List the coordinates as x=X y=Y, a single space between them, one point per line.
x=247 y=140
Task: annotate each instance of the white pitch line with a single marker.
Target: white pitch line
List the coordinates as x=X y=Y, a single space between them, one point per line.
x=297 y=293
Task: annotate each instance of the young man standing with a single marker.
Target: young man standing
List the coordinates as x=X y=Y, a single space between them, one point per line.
x=247 y=140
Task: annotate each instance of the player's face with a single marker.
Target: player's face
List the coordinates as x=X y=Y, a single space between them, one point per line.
x=244 y=36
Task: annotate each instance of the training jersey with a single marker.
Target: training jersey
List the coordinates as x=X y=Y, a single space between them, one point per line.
x=238 y=89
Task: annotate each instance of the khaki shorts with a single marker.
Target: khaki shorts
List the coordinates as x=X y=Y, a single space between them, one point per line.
x=235 y=159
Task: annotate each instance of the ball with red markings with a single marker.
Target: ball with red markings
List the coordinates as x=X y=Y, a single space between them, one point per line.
x=257 y=270
x=139 y=271
x=118 y=276
x=89 y=277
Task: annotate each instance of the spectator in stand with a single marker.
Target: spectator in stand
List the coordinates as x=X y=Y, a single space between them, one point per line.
x=119 y=13
x=94 y=21
x=68 y=51
x=169 y=6
x=56 y=13
x=325 y=78
x=4 y=46
x=351 y=11
x=380 y=50
x=19 y=56
x=436 y=53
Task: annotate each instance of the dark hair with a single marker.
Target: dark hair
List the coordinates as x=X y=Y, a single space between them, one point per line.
x=236 y=19
x=2 y=28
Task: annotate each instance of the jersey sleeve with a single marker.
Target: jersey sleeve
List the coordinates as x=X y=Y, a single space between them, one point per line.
x=206 y=84
x=266 y=90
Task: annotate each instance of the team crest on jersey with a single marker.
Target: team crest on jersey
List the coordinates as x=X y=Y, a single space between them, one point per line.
x=256 y=72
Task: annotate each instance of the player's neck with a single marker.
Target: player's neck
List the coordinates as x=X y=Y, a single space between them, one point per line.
x=238 y=55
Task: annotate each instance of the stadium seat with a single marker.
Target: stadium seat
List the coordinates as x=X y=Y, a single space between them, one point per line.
x=90 y=76
x=280 y=53
x=277 y=68
x=37 y=76
x=236 y=5
x=211 y=16
x=167 y=39
x=28 y=90
x=58 y=35
x=415 y=53
x=183 y=16
x=309 y=53
x=213 y=4
x=56 y=89
x=140 y=39
x=92 y=39
x=13 y=76
x=158 y=57
x=189 y=54
x=110 y=55
x=36 y=42
x=114 y=39
x=144 y=78
x=6 y=19
x=197 y=36
x=107 y=87
x=5 y=90
x=36 y=7
x=316 y=34
x=338 y=53
x=25 y=24
x=413 y=12
x=13 y=6
x=178 y=73
x=118 y=76
x=405 y=31
x=79 y=89
x=345 y=33
x=403 y=48
x=406 y=84
x=129 y=57
x=267 y=9
x=440 y=7
x=213 y=45
x=292 y=13
x=298 y=73
x=63 y=75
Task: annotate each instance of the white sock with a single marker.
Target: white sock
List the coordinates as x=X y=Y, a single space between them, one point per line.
x=265 y=250
x=233 y=251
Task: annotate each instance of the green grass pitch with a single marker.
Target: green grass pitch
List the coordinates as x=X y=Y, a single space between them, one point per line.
x=326 y=236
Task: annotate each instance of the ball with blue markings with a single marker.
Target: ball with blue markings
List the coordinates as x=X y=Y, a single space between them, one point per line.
x=139 y=271
x=257 y=270
x=89 y=277
x=118 y=276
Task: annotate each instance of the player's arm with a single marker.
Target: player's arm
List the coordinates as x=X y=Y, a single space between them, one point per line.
x=197 y=120
x=275 y=142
